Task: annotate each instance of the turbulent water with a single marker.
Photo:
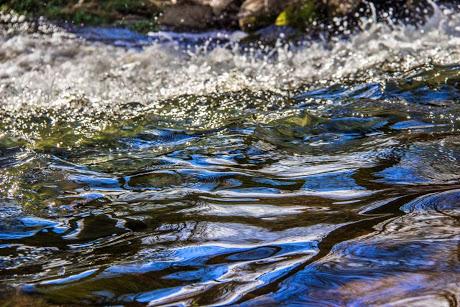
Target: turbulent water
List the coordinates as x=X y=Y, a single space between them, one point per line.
x=198 y=170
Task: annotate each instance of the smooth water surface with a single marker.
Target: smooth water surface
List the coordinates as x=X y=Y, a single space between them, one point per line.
x=142 y=169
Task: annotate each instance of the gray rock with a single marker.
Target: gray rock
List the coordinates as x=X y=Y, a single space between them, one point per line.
x=252 y=15
x=198 y=14
x=340 y=7
x=258 y=13
x=187 y=16
x=218 y=6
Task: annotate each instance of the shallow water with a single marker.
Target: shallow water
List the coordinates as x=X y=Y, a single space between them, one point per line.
x=189 y=169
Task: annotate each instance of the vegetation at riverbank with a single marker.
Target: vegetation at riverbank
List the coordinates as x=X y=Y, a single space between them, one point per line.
x=199 y=15
x=139 y=15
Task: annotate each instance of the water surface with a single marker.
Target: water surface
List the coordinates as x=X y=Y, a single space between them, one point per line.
x=194 y=170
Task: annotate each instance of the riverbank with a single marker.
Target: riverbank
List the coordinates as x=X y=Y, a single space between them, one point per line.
x=200 y=15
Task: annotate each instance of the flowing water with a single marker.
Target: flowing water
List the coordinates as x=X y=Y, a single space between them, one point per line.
x=198 y=170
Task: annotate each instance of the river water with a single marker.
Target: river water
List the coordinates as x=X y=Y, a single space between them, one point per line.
x=194 y=169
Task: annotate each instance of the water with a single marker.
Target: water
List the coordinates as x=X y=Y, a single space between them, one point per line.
x=172 y=169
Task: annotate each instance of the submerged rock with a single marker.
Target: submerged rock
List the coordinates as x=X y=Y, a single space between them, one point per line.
x=308 y=132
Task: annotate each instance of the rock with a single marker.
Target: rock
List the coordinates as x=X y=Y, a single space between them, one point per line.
x=198 y=14
x=255 y=14
x=162 y=3
x=299 y=14
x=218 y=6
x=272 y=34
x=187 y=16
x=249 y=15
x=341 y=7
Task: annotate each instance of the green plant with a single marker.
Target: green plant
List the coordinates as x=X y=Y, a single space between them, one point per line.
x=298 y=15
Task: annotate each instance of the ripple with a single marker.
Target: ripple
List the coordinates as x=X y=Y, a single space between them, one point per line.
x=189 y=169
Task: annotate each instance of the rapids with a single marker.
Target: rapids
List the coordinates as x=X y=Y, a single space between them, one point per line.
x=196 y=169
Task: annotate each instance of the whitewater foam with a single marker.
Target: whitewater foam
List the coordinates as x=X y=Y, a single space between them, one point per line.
x=50 y=70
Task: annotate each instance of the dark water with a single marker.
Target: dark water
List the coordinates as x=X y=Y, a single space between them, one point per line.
x=346 y=193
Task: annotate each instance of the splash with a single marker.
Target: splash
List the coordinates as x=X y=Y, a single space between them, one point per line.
x=56 y=69
x=197 y=170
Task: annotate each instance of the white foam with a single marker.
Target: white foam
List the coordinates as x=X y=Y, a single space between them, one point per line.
x=53 y=69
